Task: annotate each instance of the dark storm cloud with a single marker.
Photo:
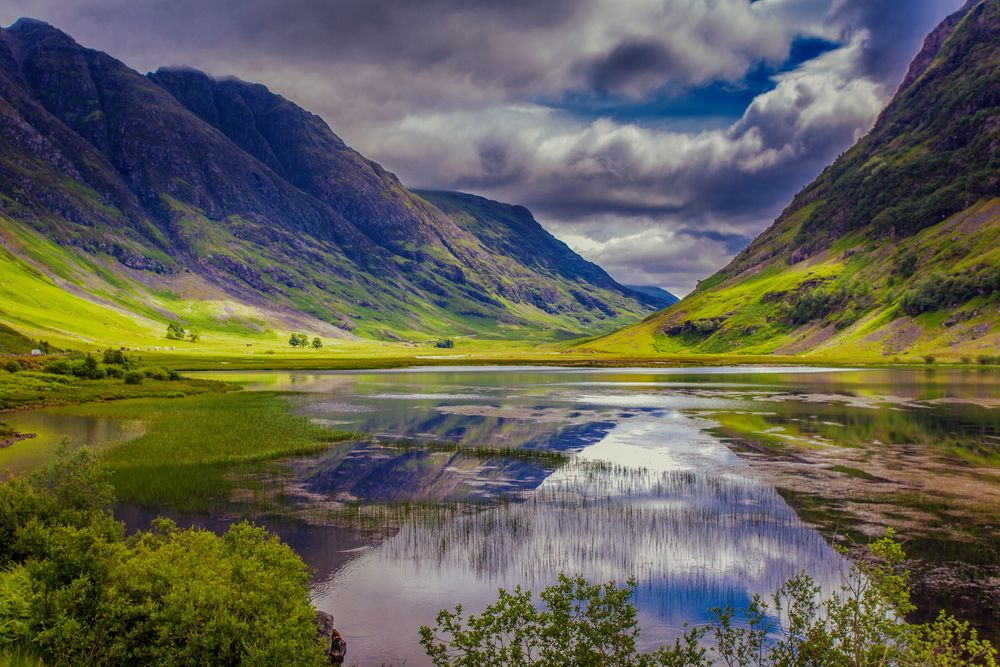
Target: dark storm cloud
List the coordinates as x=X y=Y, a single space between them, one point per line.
x=653 y=135
x=630 y=65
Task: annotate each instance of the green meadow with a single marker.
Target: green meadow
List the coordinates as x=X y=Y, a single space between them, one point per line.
x=196 y=449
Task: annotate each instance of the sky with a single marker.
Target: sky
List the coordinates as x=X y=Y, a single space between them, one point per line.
x=655 y=137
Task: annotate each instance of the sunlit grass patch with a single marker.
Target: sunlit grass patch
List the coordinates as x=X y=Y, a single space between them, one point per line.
x=29 y=389
x=195 y=449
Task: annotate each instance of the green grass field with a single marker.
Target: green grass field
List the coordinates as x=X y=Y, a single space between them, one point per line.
x=196 y=448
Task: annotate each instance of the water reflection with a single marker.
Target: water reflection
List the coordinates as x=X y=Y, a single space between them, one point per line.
x=51 y=429
x=687 y=524
x=520 y=473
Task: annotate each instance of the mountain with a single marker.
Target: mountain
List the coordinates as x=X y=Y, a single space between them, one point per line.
x=662 y=296
x=127 y=201
x=511 y=231
x=893 y=250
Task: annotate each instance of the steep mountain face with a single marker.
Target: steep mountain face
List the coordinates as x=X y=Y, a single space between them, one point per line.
x=227 y=207
x=512 y=232
x=894 y=249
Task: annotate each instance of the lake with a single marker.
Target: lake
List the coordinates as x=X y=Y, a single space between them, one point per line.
x=695 y=481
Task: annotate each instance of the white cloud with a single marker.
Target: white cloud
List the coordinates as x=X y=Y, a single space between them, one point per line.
x=453 y=94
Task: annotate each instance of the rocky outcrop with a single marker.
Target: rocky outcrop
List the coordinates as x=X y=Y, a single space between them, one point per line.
x=336 y=646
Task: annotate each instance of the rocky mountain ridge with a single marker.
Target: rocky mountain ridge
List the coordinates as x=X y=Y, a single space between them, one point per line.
x=218 y=203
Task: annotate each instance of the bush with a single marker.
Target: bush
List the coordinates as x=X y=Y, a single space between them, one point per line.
x=134 y=377
x=595 y=625
x=446 y=344
x=161 y=374
x=175 y=331
x=59 y=367
x=939 y=291
x=75 y=590
x=929 y=359
x=112 y=357
x=114 y=371
x=12 y=366
x=907 y=265
x=986 y=360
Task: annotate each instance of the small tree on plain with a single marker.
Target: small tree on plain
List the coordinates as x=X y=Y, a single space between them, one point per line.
x=175 y=331
x=317 y=343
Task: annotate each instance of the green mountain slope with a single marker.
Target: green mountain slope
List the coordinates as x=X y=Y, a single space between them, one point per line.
x=127 y=201
x=893 y=251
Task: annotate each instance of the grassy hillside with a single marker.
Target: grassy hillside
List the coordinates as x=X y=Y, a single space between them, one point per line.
x=845 y=302
x=894 y=251
x=127 y=201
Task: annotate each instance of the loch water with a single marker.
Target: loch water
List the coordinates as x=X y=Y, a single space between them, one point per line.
x=635 y=475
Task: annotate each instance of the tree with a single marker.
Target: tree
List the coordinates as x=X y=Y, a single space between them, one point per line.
x=293 y=340
x=317 y=343
x=175 y=331
x=303 y=340
x=194 y=335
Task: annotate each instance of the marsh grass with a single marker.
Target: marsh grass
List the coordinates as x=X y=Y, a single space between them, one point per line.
x=546 y=457
x=19 y=657
x=197 y=450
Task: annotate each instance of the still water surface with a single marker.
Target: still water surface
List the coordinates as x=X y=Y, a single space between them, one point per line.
x=651 y=489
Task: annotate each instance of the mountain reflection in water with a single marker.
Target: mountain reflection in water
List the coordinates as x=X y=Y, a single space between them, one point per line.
x=647 y=491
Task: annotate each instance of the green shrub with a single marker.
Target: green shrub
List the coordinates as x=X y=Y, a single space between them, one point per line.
x=12 y=366
x=59 y=367
x=112 y=357
x=75 y=590
x=157 y=373
x=83 y=367
x=175 y=331
x=907 y=265
x=939 y=291
x=114 y=371
x=929 y=359
x=446 y=344
x=590 y=625
x=134 y=377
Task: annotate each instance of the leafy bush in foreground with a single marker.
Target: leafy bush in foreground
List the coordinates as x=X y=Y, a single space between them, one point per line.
x=589 y=625
x=75 y=590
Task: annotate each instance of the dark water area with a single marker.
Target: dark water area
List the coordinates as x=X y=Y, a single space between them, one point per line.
x=518 y=474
